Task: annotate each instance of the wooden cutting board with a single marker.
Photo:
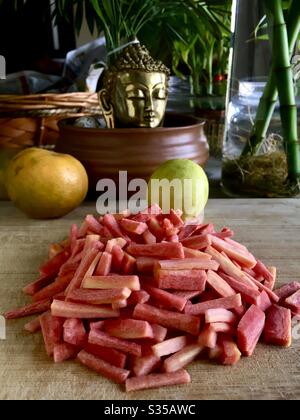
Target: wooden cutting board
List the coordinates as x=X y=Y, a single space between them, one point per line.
x=270 y=228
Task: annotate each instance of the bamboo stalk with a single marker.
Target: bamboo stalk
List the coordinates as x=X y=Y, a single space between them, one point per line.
x=269 y=98
x=284 y=81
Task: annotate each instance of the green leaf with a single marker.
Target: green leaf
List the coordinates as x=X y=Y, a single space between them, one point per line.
x=264 y=37
x=110 y=42
x=98 y=10
x=107 y=6
x=204 y=14
x=79 y=17
x=177 y=34
x=226 y=28
x=61 y=6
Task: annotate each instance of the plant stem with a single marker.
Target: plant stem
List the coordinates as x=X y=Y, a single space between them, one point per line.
x=210 y=69
x=196 y=88
x=268 y=100
x=284 y=81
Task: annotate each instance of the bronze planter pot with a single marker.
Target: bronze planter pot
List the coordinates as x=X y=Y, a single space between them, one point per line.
x=139 y=151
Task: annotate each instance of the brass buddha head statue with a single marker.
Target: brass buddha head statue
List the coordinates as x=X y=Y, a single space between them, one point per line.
x=135 y=90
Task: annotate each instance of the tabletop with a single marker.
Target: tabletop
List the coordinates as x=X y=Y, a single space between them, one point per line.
x=271 y=230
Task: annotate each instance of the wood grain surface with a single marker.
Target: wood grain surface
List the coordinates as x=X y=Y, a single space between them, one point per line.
x=270 y=228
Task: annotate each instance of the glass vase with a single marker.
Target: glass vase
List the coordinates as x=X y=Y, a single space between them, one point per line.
x=265 y=172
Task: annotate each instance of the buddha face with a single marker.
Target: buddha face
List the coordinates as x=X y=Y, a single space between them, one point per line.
x=139 y=98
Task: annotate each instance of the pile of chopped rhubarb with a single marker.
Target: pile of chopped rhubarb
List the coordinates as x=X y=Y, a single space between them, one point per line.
x=138 y=297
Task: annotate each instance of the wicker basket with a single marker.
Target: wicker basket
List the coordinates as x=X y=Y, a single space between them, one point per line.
x=31 y=120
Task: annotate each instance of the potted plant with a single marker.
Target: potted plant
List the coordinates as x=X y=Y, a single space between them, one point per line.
x=201 y=53
x=261 y=150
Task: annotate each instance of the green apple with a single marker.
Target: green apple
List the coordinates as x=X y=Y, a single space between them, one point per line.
x=179 y=184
